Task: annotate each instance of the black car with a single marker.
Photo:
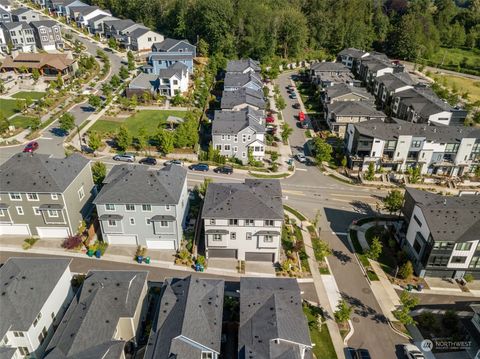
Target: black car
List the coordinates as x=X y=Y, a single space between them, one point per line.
x=199 y=167
x=296 y=105
x=362 y=354
x=228 y=170
x=148 y=161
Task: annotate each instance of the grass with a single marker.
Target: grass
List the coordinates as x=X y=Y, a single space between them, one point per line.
x=387 y=258
x=21 y=121
x=461 y=84
x=259 y=175
x=33 y=95
x=323 y=348
x=301 y=253
x=8 y=107
x=315 y=244
x=148 y=119
x=294 y=212
x=455 y=59
x=309 y=97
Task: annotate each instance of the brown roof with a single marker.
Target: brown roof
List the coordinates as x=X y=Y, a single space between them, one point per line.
x=37 y=61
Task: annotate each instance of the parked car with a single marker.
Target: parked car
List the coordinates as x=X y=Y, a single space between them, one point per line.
x=301 y=157
x=362 y=354
x=126 y=157
x=31 y=147
x=305 y=124
x=412 y=352
x=293 y=96
x=296 y=106
x=148 y=161
x=271 y=129
x=228 y=170
x=173 y=162
x=269 y=119
x=203 y=167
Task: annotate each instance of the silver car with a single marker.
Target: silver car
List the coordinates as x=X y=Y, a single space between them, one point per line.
x=124 y=158
x=301 y=157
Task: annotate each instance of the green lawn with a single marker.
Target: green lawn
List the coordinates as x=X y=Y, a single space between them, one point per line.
x=323 y=348
x=7 y=107
x=21 y=121
x=33 y=95
x=294 y=212
x=149 y=119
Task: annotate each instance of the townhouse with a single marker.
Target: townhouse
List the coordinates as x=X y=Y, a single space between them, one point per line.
x=50 y=66
x=62 y=7
x=344 y=92
x=3 y=42
x=35 y=295
x=243 y=98
x=235 y=81
x=25 y=14
x=239 y=134
x=103 y=316
x=189 y=320
x=20 y=35
x=373 y=66
x=243 y=220
x=243 y=66
x=440 y=150
x=386 y=86
x=82 y=14
x=325 y=74
x=5 y=15
x=48 y=35
x=95 y=24
x=140 y=206
x=349 y=57
x=174 y=46
x=272 y=322
x=441 y=238
x=44 y=196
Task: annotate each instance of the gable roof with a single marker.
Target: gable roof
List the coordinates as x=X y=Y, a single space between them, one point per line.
x=352 y=52
x=244 y=95
x=354 y=108
x=139 y=32
x=242 y=65
x=424 y=101
x=395 y=81
x=21 y=10
x=88 y=327
x=255 y=198
x=271 y=308
x=190 y=310
x=137 y=184
x=239 y=79
x=329 y=67
x=144 y=81
x=120 y=24
x=38 y=60
x=26 y=284
x=167 y=44
x=85 y=10
x=14 y=25
x=46 y=23
x=343 y=89
x=170 y=56
x=25 y=172
x=232 y=122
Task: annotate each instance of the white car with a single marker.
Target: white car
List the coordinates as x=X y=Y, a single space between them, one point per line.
x=301 y=157
x=412 y=352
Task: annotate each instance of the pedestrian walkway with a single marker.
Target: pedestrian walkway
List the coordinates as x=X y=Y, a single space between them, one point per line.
x=384 y=292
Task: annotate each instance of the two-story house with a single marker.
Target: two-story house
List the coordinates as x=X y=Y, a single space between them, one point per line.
x=188 y=324
x=387 y=85
x=442 y=234
x=175 y=46
x=35 y=295
x=243 y=66
x=141 y=206
x=157 y=61
x=5 y=16
x=95 y=24
x=272 y=323
x=243 y=220
x=243 y=98
x=44 y=196
x=238 y=133
x=350 y=56
x=62 y=7
x=103 y=316
x=82 y=14
x=19 y=35
x=25 y=14
x=142 y=39
x=445 y=150
x=48 y=35
x=325 y=74
x=343 y=92
x=235 y=81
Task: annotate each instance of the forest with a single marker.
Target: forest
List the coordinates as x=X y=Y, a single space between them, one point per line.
x=299 y=29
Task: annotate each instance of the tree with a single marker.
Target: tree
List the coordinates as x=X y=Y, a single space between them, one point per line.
x=35 y=75
x=413 y=174
x=280 y=103
x=60 y=81
x=292 y=32
x=408 y=302
x=67 y=122
x=274 y=156
x=123 y=72
x=323 y=249
x=133 y=102
x=393 y=202
x=343 y=312
x=323 y=150
x=115 y=81
x=4 y=124
x=99 y=171
x=146 y=97
x=94 y=101
x=112 y=43
x=202 y=187
x=166 y=140
x=186 y=134
x=19 y=104
x=35 y=123
x=123 y=138
x=142 y=139
x=286 y=132
x=375 y=249
x=406 y=270
x=202 y=48
x=131 y=61
x=370 y=175
x=107 y=89
x=94 y=141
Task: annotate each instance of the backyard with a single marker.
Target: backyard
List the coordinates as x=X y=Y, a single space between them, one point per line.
x=320 y=336
x=33 y=95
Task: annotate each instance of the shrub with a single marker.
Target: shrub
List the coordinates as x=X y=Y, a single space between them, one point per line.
x=406 y=270
x=29 y=242
x=343 y=312
x=468 y=278
x=72 y=242
x=201 y=260
x=141 y=252
x=101 y=246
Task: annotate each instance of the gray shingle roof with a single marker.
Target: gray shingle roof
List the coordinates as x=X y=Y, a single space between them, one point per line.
x=144 y=81
x=245 y=95
x=170 y=56
x=352 y=52
x=7 y=352
x=329 y=67
x=191 y=308
x=24 y=172
x=395 y=81
x=21 y=10
x=120 y=25
x=26 y=283
x=47 y=23
x=451 y=219
x=375 y=63
x=354 y=108
x=167 y=44
x=240 y=80
x=14 y=25
x=88 y=327
x=271 y=308
x=139 y=32
x=254 y=199
x=232 y=122
x=343 y=89
x=137 y=184
x=242 y=65
x=424 y=101
x=85 y=10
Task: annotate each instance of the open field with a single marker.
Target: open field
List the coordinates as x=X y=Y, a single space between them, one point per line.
x=460 y=60
x=461 y=84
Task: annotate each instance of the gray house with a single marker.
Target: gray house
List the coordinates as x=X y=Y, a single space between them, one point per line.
x=189 y=321
x=343 y=92
x=20 y=35
x=44 y=196
x=175 y=46
x=139 y=206
x=240 y=99
x=235 y=81
x=102 y=318
x=5 y=16
x=272 y=323
x=243 y=66
x=243 y=220
x=48 y=35
x=25 y=14
x=325 y=74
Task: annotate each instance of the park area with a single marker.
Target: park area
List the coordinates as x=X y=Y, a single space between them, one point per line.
x=32 y=95
x=9 y=107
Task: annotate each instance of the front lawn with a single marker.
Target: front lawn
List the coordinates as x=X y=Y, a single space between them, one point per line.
x=323 y=348
x=21 y=121
x=33 y=95
x=148 y=119
x=8 y=107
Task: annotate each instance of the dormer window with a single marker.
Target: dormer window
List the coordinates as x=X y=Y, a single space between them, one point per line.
x=207 y=355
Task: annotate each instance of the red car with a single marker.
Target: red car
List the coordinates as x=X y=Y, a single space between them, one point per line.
x=269 y=119
x=30 y=147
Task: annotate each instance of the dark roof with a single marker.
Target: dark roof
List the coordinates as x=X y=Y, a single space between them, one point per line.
x=88 y=327
x=255 y=199
x=343 y=89
x=144 y=81
x=7 y=352
x=329 y=67
x=354 y=108
x=25 y=172
x=242 y=65
x=271 y=308
x=450 y=219
x=240 y=79
x=232 y=122
x=139 y=32
x=26 y=283
x=170 y=56
x=14 y=25
x=395 y=81
x=244 y=95
x=121 y=24
x=46 y=23
x=375 y=63
x=168 y=43
x=424 y=101
x=352 y=52
x=189 y=319
x=21 y=10
x=138 y=184
x=85 y=10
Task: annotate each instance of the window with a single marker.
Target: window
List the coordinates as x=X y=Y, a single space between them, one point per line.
x=54 y=196
x=163 y=224
x=81 y=193
x=148 y=221
x=235 y=138
x=233 y=236
x=23 y=351
x=249 y=222
x=146 y=208
x=167 y=207
x=438 y=261
x=227 y=147
x=244 y=154
x=458 y=259
x=223 y=137
x=53 y=315
x=52 y=213
x=244 y=138
x=35 y=322
x=15 y=196
x=130 y=207
x=417 y=220
x=235 y=149
x=110 y=207
x=233 y=222
x=228 y=137
x=217 y=237
x=32 y=197
x=474 y=263
x=36 y=211
x=443 y=245
x=417 y=246
x=416 y=144
x=42 y=335
x=269 y=223
x=212 y=221
x=207 y=355
x=112 y=223
x=268 y=239
x=132 y=221
x=20 y=210
x=463 y=246
x=249 y=236
x=218 y=147
x=18 y=334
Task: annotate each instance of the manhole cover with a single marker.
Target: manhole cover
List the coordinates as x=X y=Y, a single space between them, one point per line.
x=366 y=290
x=356 y=320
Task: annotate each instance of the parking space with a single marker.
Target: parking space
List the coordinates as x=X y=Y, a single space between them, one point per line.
x=227 y=264
x=259 y=268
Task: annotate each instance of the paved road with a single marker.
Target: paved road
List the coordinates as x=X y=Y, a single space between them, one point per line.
x=410 y=66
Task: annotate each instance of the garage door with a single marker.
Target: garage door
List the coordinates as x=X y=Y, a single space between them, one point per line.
x=259 y=257
x=154 y=244
x=122 y=239
x=15 y=229
x=49 y=232
x=222 y=253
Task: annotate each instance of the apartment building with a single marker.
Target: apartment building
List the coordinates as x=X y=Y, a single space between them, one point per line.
x=20 y=35
x=325 y=74
x=48 y=35
x=344 y=92
x=243 y=98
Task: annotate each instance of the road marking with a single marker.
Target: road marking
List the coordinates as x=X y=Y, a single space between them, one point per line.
x=301 y=169
x=340 y=233
x=294 y=192
x=46 y=138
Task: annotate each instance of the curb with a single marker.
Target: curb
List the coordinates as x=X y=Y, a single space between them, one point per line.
x=398 y=331
x=350 y=333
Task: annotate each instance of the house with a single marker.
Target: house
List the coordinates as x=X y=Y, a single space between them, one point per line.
x=440 y=150
x=5 y=15
x=61 y=7
x=142 y=39
x=3 y=42
x=243 y=220
x=175 y=46
x=35 y=295
x=82 y=14
x=50 y=204
x=189 y=320
x=48 y=35
x=238 y=133
x=343 y=92
x=340 y=114
x=325 y=74
x=441 y=238
x=19 y=35
x=6 y=5
x=235 y=81
x=349 y=56
x=157 y=61
x=139 y=206
x=25 y=14
x=104 y=315
x=387 y=85
x=95 y=24
x=243 y=66
x=49 y=65
x=115 y=28
x=42 y=3
x=272 y=322
x=243 y=98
